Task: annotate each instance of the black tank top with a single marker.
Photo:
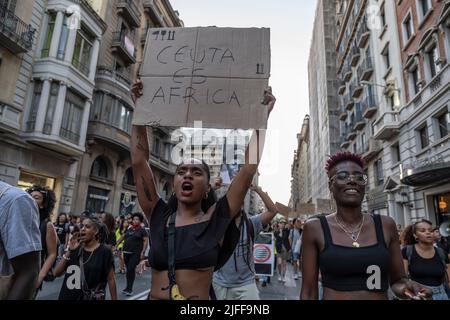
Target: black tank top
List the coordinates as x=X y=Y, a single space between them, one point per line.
x=349 y=269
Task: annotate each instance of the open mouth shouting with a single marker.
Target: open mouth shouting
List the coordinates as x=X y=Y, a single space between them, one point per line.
x=187 y=189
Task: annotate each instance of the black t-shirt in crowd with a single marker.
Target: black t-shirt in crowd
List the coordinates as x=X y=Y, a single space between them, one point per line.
x=97 y=265
x=429 y=272
x=61 y=231
x=134 y=240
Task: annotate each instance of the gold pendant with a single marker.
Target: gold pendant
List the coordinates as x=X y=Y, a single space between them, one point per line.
x=355 y=244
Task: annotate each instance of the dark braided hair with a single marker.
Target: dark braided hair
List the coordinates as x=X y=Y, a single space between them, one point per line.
x=342 y=156
x=102 y=235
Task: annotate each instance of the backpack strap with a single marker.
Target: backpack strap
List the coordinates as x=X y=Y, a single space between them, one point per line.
x=442 y=257
x=409 y=252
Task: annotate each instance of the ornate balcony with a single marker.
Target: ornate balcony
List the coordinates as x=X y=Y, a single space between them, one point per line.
x=15 y=35
x=387 y=126
x=130 y=12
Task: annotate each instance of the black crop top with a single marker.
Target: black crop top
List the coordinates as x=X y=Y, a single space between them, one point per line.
x=347 y=268
x=196 y=245
x=429 y=272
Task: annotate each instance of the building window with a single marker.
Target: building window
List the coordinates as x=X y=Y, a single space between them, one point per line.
x=408 y=28
x=99 y=168
x=51 y=107
x=167 y=151
x=128 y=178
x=432 y=57
x=72 y=118
x=126 y=116
x=423 y=8
x=423 y=136
x=96 y=199
x=96 y=108
x=30 y=125
x=414 y=79
x=109 y=110
x=378 y=172
x=386 y=58
x=395 y=152
x=63 y=40
x=48 y=38
x=443 y=122
x=156 y=147
x=82 y=51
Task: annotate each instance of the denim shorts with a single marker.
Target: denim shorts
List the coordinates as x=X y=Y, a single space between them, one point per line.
x=439 y=293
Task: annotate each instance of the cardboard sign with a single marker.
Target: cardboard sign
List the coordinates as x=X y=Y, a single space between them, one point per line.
x=284 y=210
x=307 y=208
x=213 y=75
x=264 y=254
x=325 y=206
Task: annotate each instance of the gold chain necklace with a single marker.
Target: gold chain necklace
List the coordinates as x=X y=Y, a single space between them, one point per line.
x=353 y=235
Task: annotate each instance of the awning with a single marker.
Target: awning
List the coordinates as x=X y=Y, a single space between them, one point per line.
x=426 y=175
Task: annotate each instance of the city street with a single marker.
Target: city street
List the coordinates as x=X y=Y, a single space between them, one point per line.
x=275 y=290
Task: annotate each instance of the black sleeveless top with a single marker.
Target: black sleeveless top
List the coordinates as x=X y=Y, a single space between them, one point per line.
x=196 y=245
x=352 y=269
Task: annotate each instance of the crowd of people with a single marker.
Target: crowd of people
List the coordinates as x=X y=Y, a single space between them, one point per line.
x=201 y=247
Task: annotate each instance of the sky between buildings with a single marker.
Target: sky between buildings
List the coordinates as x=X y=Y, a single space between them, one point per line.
x=291 y=23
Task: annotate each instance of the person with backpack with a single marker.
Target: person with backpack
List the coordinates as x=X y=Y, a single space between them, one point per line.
x=188 y=237
x=236 y=279
x=425 y=263
x=45 y=199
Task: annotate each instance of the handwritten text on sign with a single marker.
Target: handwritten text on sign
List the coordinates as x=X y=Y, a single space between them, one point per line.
x=213 y=75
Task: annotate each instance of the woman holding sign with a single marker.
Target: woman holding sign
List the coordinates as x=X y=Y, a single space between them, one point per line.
x=188 y=237
x=358 y=255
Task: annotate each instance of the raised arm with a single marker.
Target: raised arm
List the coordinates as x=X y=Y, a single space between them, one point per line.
x=140 y=154
x=271 y=212
x=241 y=183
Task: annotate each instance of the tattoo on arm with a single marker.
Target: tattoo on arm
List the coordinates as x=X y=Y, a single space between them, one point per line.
x=146 y=190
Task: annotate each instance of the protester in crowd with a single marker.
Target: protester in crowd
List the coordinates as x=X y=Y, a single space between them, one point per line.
x=346 y=245
x=89 y=258
x=46 y=199
x=20 y=244
x=283 y=249
x=110 y=223
x=62 y=231
x=197 y=234
x=295 y=242
x=425 y=263
x=440 y=241
x=123 y=226
x=236 y=279
x=135 y=241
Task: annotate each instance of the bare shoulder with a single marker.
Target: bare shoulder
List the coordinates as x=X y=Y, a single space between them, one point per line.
x=388 y=222
x=312 y=227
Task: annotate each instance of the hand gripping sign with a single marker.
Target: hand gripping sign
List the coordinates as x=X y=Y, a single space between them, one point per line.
x=208 y=74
